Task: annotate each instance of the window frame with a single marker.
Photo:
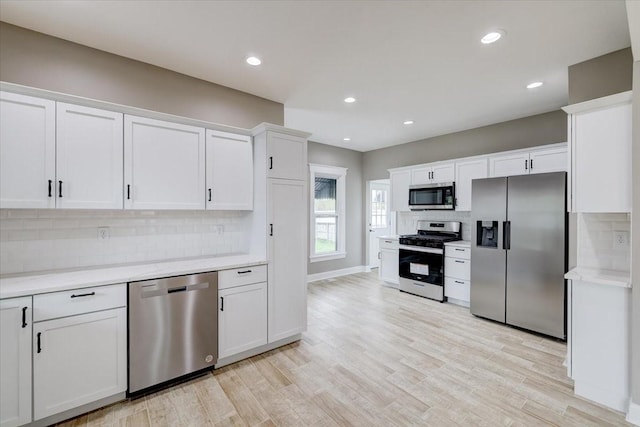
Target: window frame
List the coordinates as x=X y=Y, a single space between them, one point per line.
x=340 y=175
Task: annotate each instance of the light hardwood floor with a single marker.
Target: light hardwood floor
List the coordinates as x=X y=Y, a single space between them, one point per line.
x=373 y=356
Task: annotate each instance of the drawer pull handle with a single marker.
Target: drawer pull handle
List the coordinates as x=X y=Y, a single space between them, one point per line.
x=461 y=250
x=459 y=262
x=39 y=343
x=244 y=272
x=418 y=284
x=221 y=303
x=90 y=294
x=459 y=282
x=24 y=317
x=388 y=241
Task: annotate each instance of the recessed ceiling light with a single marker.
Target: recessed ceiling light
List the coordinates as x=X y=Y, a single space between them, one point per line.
x=349 y=100
x=408 y=122
x=252 y=60
x=534 y=85
x=346 y=139
x=492 y=37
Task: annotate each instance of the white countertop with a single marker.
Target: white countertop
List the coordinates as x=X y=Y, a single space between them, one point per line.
x=459 y=244
x=599 y=276
x=11 y=287
x=393 y=237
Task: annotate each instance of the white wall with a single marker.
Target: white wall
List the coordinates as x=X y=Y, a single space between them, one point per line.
x=46 y=239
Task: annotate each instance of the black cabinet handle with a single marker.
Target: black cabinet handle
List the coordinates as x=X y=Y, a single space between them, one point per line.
x=83 y=295
x=209 y=194
x=461 y=250
x=50 y=184
x=24 y=317
x=128 y=191
x=271 y=162
x=459 y=282
x=244 y=272
x=221 y=303
x=526 y=163
x=60 y=189
x=531 y=164
x=459 y=262
x=270 y=229
x=39 y=346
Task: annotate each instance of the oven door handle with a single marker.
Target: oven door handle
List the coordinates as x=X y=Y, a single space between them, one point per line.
x=422 y=249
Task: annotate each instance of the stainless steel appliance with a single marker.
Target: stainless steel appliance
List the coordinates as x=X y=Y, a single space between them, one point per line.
x=518 y=251
x=432 y=196
x=421 y=258
x=173 y=328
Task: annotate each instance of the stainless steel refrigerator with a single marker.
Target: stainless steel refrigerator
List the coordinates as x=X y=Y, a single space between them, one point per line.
x=518 y=251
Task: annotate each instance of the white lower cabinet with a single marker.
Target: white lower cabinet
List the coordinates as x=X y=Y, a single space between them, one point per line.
x=388 y=270
x=15 y=361
x=242 y=318
x=80 y=358
x=457 y=272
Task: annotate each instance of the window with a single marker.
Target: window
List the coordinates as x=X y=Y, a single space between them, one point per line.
x=327 y=222
x=378 y=208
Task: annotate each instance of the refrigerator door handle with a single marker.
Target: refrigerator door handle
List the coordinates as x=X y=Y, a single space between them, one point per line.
x=506 y=235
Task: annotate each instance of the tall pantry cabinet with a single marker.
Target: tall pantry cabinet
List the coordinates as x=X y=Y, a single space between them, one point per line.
x=281 y=213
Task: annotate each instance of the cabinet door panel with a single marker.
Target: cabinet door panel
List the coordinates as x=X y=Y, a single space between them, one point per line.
x=420 y=176
x=287 y=255
x=27 y=151
x=443 y=173
x=89 y=152
x=229 y=171
x=242 y=319
x=602 y=156
x=15 y=361
x=389 y=265
x=286 y=156
x=509 y=165
x=400 y=182
x=82 y=359
x=551 y=160
x=466 y=172
x=164 y=165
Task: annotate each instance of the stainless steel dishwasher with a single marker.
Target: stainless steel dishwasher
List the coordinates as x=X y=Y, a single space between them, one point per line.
x=173 y=328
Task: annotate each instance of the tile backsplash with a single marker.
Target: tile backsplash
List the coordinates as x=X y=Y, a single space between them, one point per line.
x=596 y=235
x=406 y=222
x=48 y=239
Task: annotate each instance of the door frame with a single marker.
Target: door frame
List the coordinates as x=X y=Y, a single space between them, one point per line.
x=367 y=212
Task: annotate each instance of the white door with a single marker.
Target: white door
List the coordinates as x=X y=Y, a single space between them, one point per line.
x=549 y=160
x=89 y=153
x=443 y=172
x=229 y=171
x=242 y=318
x=378 y=218
x=400 y=182
x=27 y=151
x=78 y=360
x=466 y=172
x=287 y=254
x=164 y=165
x=15 y=361
x=286 y=156
x=509 y=164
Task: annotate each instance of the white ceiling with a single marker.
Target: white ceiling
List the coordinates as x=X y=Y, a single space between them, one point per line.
x=419 y=60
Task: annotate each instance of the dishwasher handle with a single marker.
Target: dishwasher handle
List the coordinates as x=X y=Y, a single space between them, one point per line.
x=154 y=291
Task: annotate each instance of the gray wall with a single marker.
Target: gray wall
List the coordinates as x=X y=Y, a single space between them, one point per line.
x=352 y=160
x=601 y=76
x=38 y=60
x=530 y=131
x=635 y=241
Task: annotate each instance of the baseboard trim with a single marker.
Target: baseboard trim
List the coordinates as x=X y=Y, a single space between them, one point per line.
x=335 y=273
x=633 y=414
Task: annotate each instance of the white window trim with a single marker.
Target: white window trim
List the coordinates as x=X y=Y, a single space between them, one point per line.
x=340 y=175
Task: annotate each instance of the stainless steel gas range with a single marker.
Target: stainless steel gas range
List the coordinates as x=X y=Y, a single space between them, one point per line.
x=421 y=258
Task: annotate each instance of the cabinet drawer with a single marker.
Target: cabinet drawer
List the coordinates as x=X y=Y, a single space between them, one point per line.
x=388 y=244
x=78 y=301
x=456 y=288
x=457 y=252
x=457 y=268
x=242 y=276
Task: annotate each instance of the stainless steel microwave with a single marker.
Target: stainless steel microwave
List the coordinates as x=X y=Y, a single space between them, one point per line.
x=441 y=196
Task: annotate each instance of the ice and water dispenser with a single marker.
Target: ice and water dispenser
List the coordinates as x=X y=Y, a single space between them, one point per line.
x=487 y=234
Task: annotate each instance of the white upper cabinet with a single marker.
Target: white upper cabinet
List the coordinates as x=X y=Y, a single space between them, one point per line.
x=433 y=173
x=600 y=135
x=27 y=151
x=286 y=156
x=525 y=162
x=164 y=165
x=229 y=171
x=89 y=150
x=467 y=171
x=400 y=182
